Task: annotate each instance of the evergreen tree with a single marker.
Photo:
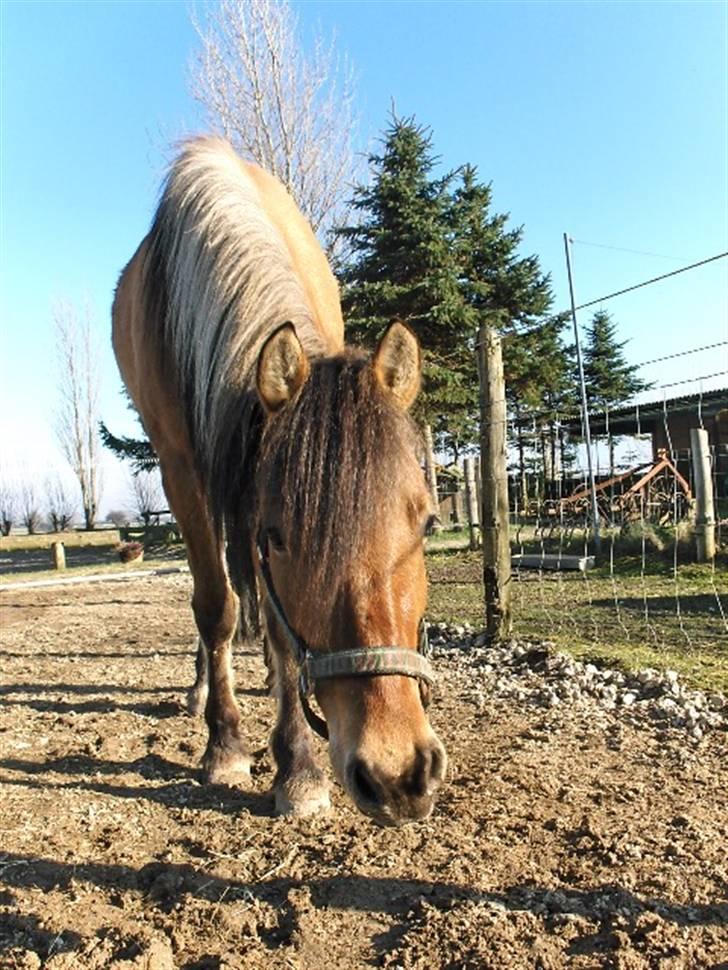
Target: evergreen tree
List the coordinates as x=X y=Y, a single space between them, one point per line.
x=511 y=293
x=403 y=264
x=429 y=250
x=138 y=451
x=609 y=378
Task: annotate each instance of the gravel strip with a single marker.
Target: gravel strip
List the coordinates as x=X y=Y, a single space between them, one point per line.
x=534 y=672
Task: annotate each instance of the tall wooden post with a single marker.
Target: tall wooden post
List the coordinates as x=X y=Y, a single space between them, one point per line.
x=471 y=497
x=58 y=555
x=431 y=474
x=478 y=486
x=494 y=486
x=704 y=505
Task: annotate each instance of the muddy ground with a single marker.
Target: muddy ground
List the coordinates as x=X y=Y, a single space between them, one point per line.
x=564 y=838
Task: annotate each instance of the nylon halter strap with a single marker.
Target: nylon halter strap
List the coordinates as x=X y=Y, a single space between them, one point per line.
x=360 y=662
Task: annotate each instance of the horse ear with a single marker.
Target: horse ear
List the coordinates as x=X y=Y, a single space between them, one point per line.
x=397 y=363
x=282 y=368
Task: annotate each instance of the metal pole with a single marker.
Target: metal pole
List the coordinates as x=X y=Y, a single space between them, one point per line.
x=584 y=405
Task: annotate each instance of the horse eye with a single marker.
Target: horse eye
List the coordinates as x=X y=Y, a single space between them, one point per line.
x=275 y=539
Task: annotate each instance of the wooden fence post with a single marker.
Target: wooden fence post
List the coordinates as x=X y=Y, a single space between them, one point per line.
x=431 y=475
x=471 y=497
x=494 y=520
x=704 y=505
x=478 y=485
x=58 y=555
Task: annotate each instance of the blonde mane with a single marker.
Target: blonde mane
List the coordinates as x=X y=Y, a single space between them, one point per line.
x=219 y=279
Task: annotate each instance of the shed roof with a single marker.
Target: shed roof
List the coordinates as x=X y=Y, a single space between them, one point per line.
x=636 y=418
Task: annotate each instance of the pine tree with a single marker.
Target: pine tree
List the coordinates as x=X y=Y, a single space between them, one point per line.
x=403 y=264
x=138 y=451
x=509 y=292
x=429 y=250
x=609 y=378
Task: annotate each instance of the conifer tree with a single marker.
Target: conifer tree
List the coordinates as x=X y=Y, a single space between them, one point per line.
x=509 y=292
x=430 y=250
x=609 y=378
x=403 y=264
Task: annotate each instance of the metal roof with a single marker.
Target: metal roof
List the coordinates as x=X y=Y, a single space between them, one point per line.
x=635 y=418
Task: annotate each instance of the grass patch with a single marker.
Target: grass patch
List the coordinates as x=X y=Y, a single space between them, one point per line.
x=623 y=619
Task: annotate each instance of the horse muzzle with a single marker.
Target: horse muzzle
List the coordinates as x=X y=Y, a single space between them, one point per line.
x=397 y=798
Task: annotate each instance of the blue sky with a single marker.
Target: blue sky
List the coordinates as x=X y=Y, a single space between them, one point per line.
x=608 y=120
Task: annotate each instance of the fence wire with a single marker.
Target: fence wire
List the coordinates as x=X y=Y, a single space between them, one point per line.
x=645 y=590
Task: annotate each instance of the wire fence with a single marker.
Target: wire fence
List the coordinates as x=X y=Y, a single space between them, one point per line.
x=637 y=582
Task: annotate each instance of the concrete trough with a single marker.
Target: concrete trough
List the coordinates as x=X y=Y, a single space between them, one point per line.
x=552 y=561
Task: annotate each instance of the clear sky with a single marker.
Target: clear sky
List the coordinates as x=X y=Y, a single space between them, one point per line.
x=607 y=120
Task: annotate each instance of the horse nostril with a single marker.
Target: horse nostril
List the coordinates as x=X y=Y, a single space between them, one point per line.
x=428 y=771
x=438 y=766
x=363 y=784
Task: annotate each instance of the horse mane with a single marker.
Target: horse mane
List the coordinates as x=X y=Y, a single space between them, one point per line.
x=218 y=282
x=337 y=456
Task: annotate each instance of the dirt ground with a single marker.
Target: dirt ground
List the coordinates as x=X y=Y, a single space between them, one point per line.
x=562 y=838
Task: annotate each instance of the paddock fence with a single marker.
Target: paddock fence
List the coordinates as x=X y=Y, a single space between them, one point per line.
x=635 y=579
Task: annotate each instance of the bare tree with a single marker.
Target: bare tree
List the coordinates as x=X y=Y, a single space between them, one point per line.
x=289 y=110
x=8 y=506
x=147 y=494
x=119 y=517
x=60 y=505
x=78 y=418
x=30 y=514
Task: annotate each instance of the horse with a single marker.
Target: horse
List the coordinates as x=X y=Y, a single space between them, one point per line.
x=290 y=462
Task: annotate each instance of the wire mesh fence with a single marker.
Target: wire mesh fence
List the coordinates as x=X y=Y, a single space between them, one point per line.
x=632 y=578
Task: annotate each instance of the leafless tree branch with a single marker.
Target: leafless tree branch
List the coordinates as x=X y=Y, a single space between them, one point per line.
x=29 y=508
x=8 y=505
x=59 y=504
x=289 y=110
x=147 y=494
x=78 y=418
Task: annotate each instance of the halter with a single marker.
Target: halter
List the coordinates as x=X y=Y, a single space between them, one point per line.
x=360 y=662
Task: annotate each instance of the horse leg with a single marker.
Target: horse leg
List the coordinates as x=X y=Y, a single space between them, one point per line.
x=215 y=605
x=300 y=787
x=198 y=693
x=270 y=670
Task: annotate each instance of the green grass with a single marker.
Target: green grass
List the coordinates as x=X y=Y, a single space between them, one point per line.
x=621 y=617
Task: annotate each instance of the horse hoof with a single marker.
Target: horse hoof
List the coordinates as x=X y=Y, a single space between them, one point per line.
x=196 y=702
x=302 y=797
x=227 y=768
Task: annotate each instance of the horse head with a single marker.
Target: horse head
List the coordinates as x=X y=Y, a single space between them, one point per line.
x=342 y=511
